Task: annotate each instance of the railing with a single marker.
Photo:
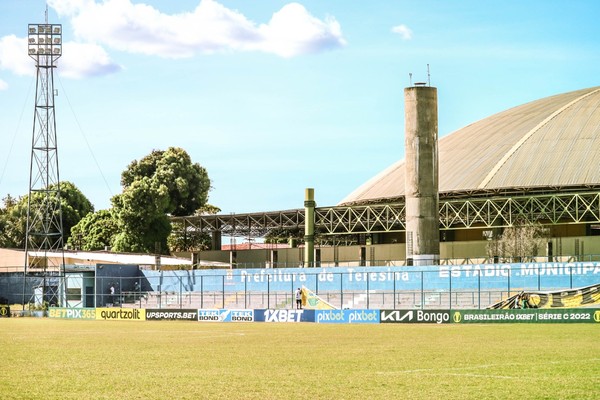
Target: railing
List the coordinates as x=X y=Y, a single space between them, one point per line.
x=279 y=300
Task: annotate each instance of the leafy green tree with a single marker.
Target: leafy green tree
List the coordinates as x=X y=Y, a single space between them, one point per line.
x=13 y=223
x=141 y=216
x=161 y=184
x=74 y=206
x=95 y=231
x=13 y=217
x=187 y=183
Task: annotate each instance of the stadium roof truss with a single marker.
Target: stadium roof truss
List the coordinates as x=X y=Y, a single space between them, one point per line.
x=457 y=211
x=244 y=225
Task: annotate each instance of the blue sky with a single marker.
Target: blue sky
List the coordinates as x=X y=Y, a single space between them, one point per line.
x=271 y=96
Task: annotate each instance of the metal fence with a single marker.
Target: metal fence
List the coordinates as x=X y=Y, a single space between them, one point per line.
x=338 y=299
x=36 y=290
x=440 y=287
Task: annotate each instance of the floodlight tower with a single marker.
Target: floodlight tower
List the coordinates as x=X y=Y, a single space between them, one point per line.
x=44 y=232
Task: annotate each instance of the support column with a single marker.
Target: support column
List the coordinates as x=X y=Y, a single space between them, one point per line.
x=421 y=176
x=309 y=227
x=215 y=240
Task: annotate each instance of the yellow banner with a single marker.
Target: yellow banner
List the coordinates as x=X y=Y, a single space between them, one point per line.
x=121 y=314
x=571 y=298
x=311 y=301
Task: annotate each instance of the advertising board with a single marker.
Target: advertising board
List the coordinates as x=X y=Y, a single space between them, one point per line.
x=284 y=315
x=347 y=316
x=121 y=314
x=4 y=311
x=72 y=313
x=571 y=315
x=162 y=314
x=237 y=315
x=226 y=315
x=416 y=316
x=210 y=315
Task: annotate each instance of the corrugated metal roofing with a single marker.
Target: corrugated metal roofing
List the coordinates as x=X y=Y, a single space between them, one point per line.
x=552 y=142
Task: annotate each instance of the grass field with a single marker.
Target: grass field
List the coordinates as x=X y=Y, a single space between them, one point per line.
x=74 y=359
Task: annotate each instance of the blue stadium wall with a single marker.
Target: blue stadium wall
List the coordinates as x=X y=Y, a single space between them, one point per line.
x=536 y=276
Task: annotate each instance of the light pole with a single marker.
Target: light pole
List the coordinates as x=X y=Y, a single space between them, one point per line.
x=44 y=231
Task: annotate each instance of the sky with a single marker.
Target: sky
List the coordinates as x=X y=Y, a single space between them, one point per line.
x=273 y=97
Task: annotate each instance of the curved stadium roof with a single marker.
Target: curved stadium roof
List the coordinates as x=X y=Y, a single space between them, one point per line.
x=549 y=143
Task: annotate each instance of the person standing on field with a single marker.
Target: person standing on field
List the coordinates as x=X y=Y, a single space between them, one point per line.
x=298 y=299
x=136 y=290
x=112 y=294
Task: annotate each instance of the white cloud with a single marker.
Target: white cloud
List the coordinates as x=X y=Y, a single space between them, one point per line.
x=293 y=31
x=403 y=31
x=13 y=56
x=79 y=59
x=210 y=27
x=68 y=7
x=3 y=85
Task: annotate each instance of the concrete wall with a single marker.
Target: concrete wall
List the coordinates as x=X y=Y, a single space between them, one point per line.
x=11 y=258
x=213 y=255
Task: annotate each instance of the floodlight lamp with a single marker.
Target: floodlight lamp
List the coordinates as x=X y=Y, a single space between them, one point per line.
x=32 y=30
x=32 y=40
x=57 y=29
x=31 y=51
x=56 y=40
x=56 y=51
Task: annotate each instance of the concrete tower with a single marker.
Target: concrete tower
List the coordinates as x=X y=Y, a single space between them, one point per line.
x=421 y=177
x=309 y=227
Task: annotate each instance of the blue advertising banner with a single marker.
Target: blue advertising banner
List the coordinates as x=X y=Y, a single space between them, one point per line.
x=225 y=315
x=347 y=316
x=236 y=315
x=209 y=315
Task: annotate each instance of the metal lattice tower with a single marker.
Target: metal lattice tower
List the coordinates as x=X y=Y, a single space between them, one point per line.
x=44 y=231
